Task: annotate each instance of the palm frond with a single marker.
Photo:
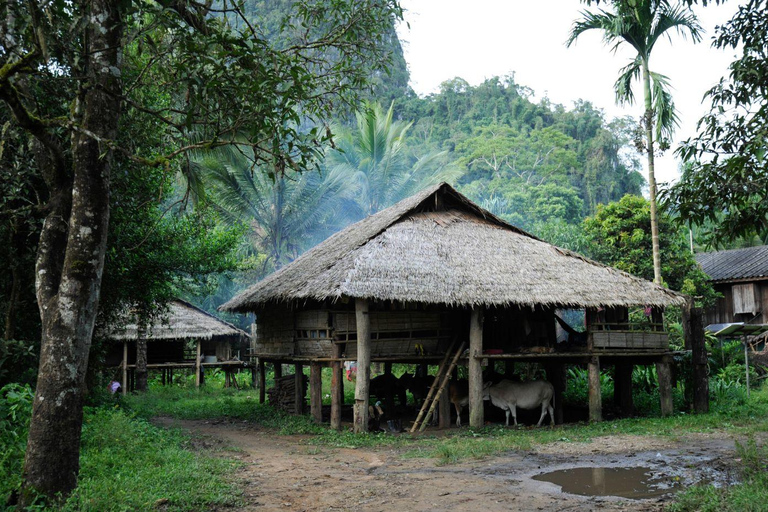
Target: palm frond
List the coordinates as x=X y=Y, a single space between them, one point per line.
x=623 y=85
x=680 y=18
x=666 y=118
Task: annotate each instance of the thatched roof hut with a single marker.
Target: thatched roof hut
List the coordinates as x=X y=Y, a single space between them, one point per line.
x=438 y=247
x=182 y=321
x=435 y=270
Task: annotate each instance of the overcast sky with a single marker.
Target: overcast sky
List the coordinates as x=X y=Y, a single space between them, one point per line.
x=484 y=38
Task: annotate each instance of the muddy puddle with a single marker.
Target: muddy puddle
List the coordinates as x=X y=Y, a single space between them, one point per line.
x=634 y=482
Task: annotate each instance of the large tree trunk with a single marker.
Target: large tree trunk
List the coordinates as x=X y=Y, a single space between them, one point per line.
x=651 y=173
x=70 y=262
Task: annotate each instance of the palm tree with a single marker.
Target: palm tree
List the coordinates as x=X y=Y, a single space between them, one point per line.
x=641 y=24
x=286 y=212
x=376 y=160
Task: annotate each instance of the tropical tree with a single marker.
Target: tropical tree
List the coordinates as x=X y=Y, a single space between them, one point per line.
x=284 y=212
x=641 y=24
x=617 y=235
x=375 y=158
x=68 y=73
x=724 y=186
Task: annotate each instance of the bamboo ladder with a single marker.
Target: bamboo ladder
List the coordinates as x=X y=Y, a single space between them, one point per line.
x=442 y=378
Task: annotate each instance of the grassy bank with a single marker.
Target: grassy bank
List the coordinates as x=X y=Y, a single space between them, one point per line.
x=125 y=463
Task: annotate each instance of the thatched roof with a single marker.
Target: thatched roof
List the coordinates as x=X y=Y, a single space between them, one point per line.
x=438 y=247
x=746 y=264
x=182 y=321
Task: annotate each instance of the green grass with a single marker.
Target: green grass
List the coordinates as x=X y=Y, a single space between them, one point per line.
x=125 y=462
x=751 y=495
x=129 y=464
x=738 y=417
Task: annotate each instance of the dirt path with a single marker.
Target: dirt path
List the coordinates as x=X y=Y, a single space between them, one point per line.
x=286 y=473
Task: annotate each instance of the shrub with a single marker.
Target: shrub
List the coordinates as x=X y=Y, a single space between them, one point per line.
x=15 y=411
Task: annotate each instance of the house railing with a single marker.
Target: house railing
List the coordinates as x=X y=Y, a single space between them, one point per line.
x=635 y=336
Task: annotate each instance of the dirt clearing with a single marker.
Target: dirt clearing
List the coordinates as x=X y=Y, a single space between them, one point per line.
x=287 y=473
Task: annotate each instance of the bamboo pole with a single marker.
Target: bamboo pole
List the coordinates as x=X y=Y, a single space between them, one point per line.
x=433 y=387
x=445 y=380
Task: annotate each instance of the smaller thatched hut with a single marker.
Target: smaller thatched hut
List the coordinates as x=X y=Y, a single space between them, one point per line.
x=400 y=285
x=184 y=336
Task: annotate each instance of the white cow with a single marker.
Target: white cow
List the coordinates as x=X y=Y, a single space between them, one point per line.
x=510 y=395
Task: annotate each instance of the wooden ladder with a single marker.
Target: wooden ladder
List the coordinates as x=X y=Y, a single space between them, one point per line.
x=441 y=379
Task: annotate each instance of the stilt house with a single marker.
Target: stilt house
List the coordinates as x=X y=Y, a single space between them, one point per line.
x=403 y=284
x=741 y=276
x=183 y=337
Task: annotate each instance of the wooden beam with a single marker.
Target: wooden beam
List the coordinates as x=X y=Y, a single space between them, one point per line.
x=125 y=368
x=476 y=417
x=337 y=389
x=595 y=396
x=262 y=381
x=197 y=365
x=316 y=392
x=299 y=389
x=362 y=385
x=664 y=374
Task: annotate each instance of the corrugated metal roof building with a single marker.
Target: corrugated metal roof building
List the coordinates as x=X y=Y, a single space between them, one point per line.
x=741 y=275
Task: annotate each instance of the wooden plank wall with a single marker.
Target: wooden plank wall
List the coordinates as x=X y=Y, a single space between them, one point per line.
x=313 y=333
x=275 y=332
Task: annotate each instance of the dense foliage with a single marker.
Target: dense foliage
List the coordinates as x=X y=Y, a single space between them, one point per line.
x=724 y=187
x=619 y=235
x=528 y=162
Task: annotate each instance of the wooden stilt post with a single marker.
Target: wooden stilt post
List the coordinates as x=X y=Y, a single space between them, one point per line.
x=362 y=386
x=476 y=416
x=337 y=389
x=124 y=389
x=227 y=378
x=170 y=376
x=316 y=392
x=595 y=397
x=444 y=411
x=622 y=389
x=664 y=374
x=693 y=332
x=198 y=366
x=278 y=368
x=299 y=389
x=262 y=381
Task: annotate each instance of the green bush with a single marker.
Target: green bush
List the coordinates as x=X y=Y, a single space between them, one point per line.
x=128 y=464
x=736 y=373
x=15 y=411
